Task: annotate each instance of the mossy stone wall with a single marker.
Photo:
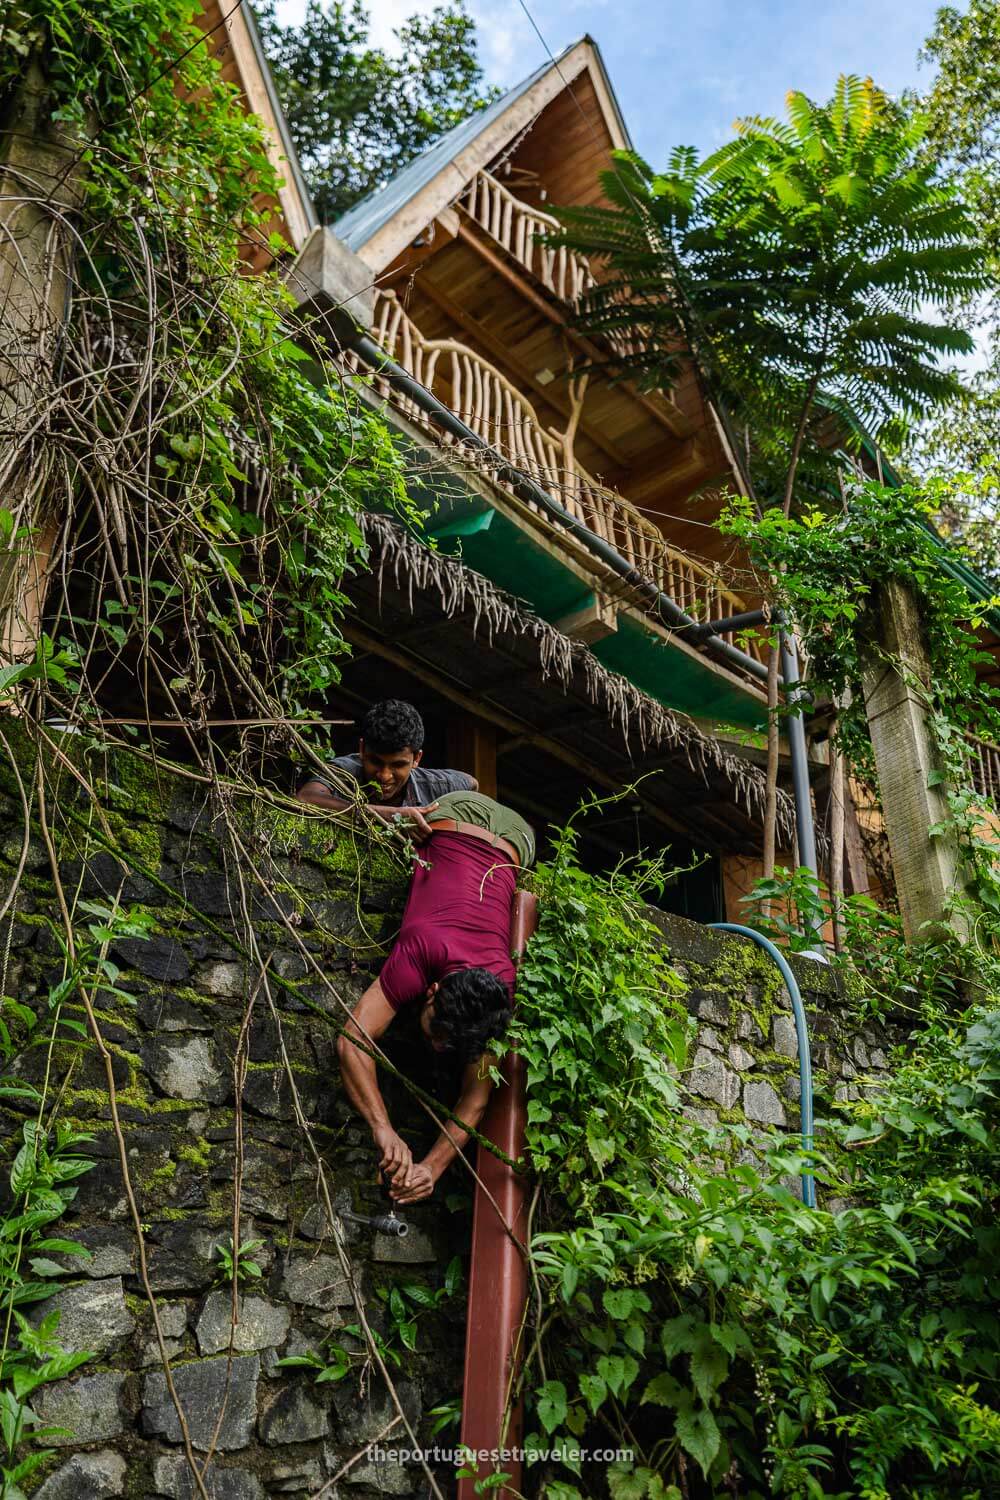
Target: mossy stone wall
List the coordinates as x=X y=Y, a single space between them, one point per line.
x=320 y=907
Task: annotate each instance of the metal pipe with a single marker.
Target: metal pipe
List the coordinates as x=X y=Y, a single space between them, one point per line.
x=733 y=622
x=802 y=1036
x=498 y=1275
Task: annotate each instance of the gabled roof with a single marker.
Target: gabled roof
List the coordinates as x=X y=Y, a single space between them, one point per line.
x=439 y=174
x=232 y=36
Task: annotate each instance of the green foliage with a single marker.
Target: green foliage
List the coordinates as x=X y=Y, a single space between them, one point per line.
x=46 y=1164
x=404 y=1304
x=799 y=262
x=962 y=107
x=215 y=473
x=236 y=1262
x=358 y=114
x=828 y=565
x=41 y=1185
x=690 y=1305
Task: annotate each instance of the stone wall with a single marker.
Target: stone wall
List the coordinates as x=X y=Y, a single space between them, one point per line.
x=188 y=995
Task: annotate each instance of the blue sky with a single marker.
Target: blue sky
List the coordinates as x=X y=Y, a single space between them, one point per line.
x=685 y=69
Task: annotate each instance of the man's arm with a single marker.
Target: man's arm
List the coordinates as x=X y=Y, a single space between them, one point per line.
x=422 y=1177
x=369 y=1020
x=318 y=794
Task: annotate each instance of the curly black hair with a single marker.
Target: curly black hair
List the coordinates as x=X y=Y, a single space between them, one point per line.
x=471 y=1008
x=392 y=725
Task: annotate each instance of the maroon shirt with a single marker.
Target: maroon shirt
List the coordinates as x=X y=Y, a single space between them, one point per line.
x=457 y=916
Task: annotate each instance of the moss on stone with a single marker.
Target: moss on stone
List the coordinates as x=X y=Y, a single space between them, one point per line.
x=197 y=1153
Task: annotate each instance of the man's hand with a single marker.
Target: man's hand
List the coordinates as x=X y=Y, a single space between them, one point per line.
x=397 y=1158
x=421 y=830
x=418 y=1183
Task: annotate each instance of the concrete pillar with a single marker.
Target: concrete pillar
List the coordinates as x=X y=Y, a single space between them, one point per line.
x=895 y=676
x=40 y=192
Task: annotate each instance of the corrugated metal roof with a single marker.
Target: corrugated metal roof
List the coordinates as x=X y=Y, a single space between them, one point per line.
x=366 y=218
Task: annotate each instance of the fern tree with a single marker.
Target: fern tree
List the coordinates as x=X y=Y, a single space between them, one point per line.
x=806 y=265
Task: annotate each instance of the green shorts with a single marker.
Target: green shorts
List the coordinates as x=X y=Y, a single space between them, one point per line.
x=476 y=807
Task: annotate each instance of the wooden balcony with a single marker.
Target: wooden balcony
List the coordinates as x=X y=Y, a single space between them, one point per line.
x=520 y=229
x=984 y=763
x=503 y=417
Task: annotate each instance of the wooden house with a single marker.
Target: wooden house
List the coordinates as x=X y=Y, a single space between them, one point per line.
x=535 y=663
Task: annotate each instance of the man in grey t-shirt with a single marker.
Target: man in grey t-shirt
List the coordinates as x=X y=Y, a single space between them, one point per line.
x=387 y=768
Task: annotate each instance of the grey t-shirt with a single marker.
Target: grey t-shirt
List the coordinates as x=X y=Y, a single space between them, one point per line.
x=422 y=786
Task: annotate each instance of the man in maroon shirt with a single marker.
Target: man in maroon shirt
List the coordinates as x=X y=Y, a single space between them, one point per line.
x=452 y=959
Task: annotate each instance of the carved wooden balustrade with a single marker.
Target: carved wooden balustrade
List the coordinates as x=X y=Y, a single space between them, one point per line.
x=499 y=414
x=984 y=762
x=520 y=229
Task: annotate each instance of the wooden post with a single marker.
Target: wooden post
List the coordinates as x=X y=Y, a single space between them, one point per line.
x=39 y=195
x=895 y=676
x=472 y=747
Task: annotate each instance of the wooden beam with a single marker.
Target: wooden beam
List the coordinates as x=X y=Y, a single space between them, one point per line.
x=480 y=707
x=675 y=423
x=472 y=747
x=499 y=350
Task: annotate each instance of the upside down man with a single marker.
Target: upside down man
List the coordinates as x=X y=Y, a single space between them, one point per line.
x=452 y=959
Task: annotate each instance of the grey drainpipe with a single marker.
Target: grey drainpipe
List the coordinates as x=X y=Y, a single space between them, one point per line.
x=666 y=608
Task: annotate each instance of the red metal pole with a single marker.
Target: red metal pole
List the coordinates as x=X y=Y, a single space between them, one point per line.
x=498 y=1276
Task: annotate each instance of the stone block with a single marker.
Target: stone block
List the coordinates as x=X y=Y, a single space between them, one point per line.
x=262 y=1325
x=316 y=1222
x=709 y=1037
x=709 y=1005
x=317 y=1282
x=160 y=958
x=784 y=1038
x=414 y=1249
x=711 y=1079
x=172 y=1477
x=386 y=1477
x=762 y=1105
x=171 y=1013
x=186 y=1069
x=294 y=1416
x=92 y=1316
x=112 y=1252
x=182 y=1257
x=151 y=1352
x=741 y=1059
x=305 y=1477
x=206 y=1388
x=360 y=1417
x=86 y=1476
x=87 y=1406
x=226 y=981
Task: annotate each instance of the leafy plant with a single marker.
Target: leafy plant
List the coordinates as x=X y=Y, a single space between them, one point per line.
x=41 y=1180
x=404 y=1303
x=236 y=1263
x=690 y=1304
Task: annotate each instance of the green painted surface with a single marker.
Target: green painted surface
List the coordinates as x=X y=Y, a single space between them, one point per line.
x=673 y=677
x=464 y=525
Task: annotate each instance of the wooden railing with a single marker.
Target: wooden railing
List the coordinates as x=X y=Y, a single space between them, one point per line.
x=520 y=229
x=498 y=413
x=984 y=759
